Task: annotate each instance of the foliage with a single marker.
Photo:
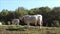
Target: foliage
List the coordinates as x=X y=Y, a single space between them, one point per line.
x=49 y=15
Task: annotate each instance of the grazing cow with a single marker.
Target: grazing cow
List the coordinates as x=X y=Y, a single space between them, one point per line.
x=15 y=21
x=34 y=19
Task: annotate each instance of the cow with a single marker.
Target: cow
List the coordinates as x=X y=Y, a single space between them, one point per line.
x=34 y=19
x=15 y=21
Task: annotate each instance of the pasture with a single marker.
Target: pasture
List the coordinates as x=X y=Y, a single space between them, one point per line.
x=18 y=29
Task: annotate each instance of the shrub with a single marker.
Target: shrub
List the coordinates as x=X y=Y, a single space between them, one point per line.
x=15 y=27
x=56 y=23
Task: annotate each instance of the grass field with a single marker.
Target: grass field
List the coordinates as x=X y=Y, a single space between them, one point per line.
x=14 y=29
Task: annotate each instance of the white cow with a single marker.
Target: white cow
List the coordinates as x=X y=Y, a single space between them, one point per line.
x=15 y=21
x=33 y=19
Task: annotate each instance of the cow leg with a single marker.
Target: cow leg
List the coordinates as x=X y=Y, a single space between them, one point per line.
x=35 y=23
x=40 y=24
x=28 y=24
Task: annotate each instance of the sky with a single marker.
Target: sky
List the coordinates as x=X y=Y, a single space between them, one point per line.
x=28 y=4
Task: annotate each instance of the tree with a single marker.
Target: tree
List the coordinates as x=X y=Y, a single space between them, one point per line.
x=4 y=13
x=21 y=11
x=32 y=11
x=55 y=14
x=6 y=16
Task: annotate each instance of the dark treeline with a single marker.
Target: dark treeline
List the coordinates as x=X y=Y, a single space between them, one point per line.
x=51 y=17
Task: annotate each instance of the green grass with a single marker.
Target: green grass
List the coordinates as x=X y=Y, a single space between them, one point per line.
x=30 y=30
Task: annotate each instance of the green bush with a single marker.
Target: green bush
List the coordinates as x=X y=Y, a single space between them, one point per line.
x=3 y=23
x=15 y=27
x=56 y=23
